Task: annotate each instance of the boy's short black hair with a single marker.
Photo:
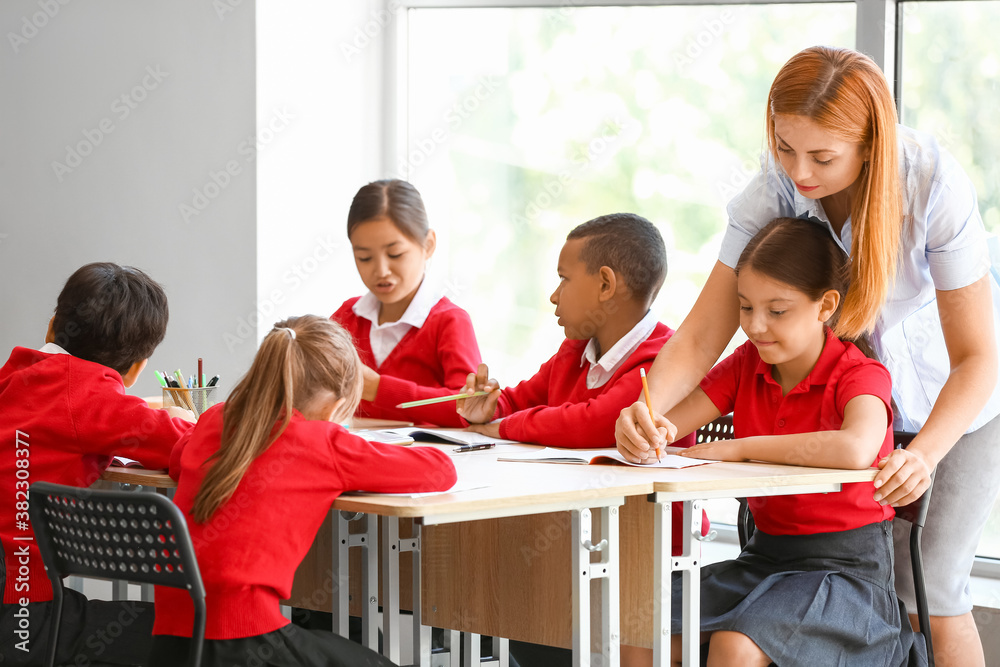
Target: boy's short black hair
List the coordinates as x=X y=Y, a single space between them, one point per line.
x=111 y=315
x=628 y=244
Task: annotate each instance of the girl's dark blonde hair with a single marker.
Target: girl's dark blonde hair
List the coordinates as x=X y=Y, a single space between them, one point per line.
x=845 y=93
x=302 y=361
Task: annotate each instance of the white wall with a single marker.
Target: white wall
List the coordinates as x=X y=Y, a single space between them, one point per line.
x=319 y=63
x=62 y=82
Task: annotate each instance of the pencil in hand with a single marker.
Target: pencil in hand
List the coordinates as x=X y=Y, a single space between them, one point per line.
x=649 y=404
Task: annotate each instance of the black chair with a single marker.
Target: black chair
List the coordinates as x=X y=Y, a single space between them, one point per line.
x=137 y=537
x=915 y=513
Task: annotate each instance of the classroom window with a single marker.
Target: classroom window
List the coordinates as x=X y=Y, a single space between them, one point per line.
x=953 y=92
x=523 y=123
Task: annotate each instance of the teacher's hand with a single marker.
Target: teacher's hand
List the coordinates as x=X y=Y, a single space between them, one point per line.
x=638 y=437
x=904 y=476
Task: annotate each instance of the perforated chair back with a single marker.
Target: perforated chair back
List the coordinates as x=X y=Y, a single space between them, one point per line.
x=717 y=429
x=137 y=537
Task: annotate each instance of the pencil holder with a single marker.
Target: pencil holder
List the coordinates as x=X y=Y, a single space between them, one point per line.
x=196 y=399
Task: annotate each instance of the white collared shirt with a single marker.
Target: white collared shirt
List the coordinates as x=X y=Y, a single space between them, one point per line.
x=385 y=337
x=602 y=370
x=52 y=348
x=943 y=248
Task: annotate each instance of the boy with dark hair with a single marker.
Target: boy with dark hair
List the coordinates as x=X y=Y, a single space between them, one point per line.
x=610 y=270
x=63 y=414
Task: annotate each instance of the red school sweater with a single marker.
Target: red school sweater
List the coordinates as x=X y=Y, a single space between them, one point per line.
x=62 y=419
x=249 y=549
x=430 y=361
x=555 y=408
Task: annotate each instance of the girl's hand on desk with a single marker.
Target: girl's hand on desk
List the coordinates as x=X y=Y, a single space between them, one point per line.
x=904 y=476
x=180 y=413
x=489 y=430
x=479 y=409
x=371 y=378
x=633 y=429
x=717 y=450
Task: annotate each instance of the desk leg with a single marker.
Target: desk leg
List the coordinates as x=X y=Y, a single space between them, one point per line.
x=390 y=588
x=369 y=584
x=661 y=584
x=421 y=633
x=341 y=573
x=367 y=541
x=583 y=573
x=690 y=566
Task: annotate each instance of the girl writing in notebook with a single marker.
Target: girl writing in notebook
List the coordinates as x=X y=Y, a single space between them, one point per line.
x=814 y=586
x=414 y=342
x=256 y=477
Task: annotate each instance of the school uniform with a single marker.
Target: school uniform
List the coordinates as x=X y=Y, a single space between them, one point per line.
x=944 y=247
x=814 y=586
x=62 y=419
x=574 y=399
x=427 y=353
x=249 y=549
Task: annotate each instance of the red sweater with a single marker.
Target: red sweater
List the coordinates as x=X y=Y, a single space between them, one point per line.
x=249 y=549
x=430 y=361
x=555 y=407
x=65 y=417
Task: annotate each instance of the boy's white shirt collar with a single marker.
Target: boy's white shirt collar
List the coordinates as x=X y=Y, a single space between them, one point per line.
x=602 y=370
x=52 y=348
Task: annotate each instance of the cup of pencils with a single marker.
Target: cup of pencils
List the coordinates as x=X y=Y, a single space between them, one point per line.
x=196 y=394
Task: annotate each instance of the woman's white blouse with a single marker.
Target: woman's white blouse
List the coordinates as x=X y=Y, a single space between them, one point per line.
x=943 y=247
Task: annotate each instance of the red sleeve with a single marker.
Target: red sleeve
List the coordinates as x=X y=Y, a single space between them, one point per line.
x=175 y=455
x=376 y=467
x=866 y=378
x=722 y=383
x=113 y=423
x=528 y=393
x=458 y=354
x=588 y=424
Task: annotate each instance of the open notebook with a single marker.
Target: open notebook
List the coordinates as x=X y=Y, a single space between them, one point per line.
x=446 y=435
x=609 y=456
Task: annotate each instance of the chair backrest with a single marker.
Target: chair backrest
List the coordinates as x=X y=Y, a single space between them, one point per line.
x=139 y=537
x=720 y=428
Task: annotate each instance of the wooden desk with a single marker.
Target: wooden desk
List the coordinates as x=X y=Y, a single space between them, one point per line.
x=139 y=476
x=515 y=491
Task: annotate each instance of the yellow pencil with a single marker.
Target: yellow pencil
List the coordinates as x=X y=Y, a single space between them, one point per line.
x=649 y=404
x=441 y=399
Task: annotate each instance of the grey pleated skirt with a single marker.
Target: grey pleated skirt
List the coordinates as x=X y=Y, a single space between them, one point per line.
x=805 y=600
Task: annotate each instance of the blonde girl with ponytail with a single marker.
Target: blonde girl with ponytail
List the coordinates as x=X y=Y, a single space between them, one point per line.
x=257 y=476
x=921 y=291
